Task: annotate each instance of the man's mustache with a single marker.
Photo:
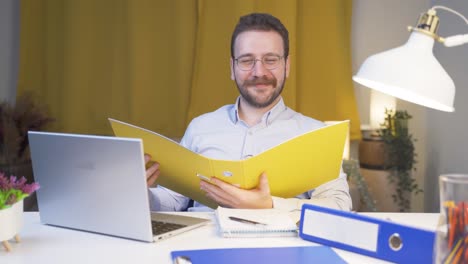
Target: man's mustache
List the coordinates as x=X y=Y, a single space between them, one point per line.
x=263 y=81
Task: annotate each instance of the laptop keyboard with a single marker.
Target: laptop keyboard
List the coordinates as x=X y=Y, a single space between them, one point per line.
x=164 y=227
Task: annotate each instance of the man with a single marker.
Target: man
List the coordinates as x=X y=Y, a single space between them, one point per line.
x=258 y=120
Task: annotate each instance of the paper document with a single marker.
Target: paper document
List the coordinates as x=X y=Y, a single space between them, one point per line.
x=293 y=167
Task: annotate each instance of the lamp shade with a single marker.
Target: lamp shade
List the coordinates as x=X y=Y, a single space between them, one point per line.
x=411 y=73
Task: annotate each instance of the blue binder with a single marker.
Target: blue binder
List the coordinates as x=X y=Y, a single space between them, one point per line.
x=272 y=255
x=365 y=235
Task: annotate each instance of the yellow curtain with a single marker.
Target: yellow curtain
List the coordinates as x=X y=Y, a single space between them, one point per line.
x=160 y=63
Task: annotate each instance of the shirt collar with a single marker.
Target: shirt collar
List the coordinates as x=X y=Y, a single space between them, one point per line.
x=267 y=118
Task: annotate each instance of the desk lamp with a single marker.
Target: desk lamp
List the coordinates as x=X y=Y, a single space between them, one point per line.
x=411 y=72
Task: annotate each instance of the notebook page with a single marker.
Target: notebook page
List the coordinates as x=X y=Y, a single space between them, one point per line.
x=271 y=222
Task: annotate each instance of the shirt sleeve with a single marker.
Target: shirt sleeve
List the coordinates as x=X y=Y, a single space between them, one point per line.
x=333 y=194
x=163 y=199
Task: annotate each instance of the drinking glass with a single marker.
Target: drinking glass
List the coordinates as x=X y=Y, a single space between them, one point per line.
x=451 y=245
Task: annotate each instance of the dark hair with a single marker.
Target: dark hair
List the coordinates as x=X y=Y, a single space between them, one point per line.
x=261 y=22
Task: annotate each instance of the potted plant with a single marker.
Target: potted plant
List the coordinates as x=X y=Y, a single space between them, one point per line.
x=400 y=157
x=15 y=122
x=12 y=193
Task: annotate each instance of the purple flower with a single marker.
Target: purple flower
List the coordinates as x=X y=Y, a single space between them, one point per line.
x=30 y=188
x=13 y=189
x=5 y=184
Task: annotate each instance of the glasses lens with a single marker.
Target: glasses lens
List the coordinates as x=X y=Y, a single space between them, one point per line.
x=270 y=62
x=245 y=63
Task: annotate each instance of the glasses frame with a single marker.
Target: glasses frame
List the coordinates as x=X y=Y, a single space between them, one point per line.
x=255 y=62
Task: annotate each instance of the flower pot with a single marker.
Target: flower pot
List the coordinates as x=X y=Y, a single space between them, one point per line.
x=11 y=221
x=372 y=153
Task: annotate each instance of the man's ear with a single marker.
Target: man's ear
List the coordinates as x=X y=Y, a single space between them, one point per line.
x=232 y=69
x=287 y=66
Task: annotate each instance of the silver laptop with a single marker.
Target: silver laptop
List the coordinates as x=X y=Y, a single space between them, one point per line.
x=98 y=184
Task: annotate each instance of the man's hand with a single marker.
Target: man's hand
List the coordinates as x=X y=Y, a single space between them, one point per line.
x=228 y=195
x=152 y=171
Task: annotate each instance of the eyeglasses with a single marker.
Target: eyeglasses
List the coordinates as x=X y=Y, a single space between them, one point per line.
x=247 y=63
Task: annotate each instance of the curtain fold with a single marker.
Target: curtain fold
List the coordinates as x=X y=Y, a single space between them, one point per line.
x=158 y=64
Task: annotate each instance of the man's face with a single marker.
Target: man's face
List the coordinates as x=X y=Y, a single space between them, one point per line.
x=259 y=87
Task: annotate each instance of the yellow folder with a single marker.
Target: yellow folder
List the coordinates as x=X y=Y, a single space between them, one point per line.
x=293 y=167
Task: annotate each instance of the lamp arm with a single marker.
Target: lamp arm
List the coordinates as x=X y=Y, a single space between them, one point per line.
x=450 y=10
x=456 y=40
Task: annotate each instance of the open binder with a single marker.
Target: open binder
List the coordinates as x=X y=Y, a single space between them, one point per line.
x=293 y=167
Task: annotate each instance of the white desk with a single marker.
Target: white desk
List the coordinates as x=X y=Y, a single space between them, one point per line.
x=46 y=244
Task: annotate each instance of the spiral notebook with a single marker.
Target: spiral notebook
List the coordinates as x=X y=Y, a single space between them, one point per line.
x=254 y=223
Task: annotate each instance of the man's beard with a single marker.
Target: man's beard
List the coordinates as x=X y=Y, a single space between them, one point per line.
x=251 y=99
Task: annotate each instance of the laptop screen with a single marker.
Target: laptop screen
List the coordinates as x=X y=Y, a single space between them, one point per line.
x=92 y=183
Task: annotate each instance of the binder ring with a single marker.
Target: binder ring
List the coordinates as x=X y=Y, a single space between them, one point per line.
x=395 y=242
x=227 y=174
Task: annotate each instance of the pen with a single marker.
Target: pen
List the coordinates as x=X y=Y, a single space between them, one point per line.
x=245 y=221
